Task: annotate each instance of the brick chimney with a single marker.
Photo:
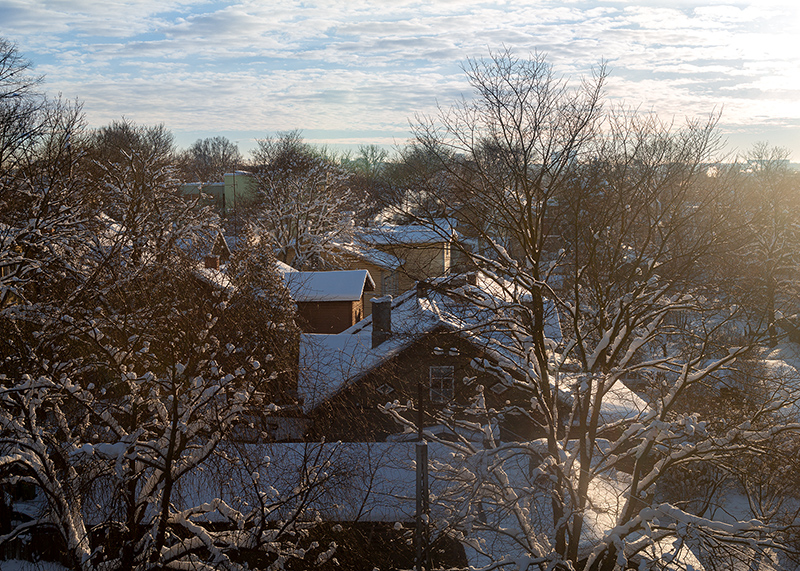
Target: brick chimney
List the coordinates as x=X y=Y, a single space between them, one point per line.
x=211 y=262
x=381 y=319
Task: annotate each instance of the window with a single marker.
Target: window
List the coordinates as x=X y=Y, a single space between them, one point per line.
x=499 y=388
x=385 y=389
x=441 y=379
x=390 y=284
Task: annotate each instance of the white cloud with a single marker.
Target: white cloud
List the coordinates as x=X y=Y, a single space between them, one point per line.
x=370 y=65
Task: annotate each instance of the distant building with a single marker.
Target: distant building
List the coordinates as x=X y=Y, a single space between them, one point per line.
x=398 y=256
x=239 y=186
x=210 y=192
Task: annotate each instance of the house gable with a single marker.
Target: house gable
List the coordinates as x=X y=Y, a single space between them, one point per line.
x=437 y=348
x=404 y=376
x=329 y=316
x=341 y=285
x=348 y=376
x=398 y=255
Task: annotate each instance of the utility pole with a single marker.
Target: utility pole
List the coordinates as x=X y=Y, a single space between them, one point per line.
x=235 y=204
x=235 y=209
x=421 y=532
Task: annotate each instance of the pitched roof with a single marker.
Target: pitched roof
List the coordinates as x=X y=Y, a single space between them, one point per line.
x=375 y=482
x=340 y=285
x=372 y=255
x=330 y=363
x=407 y=234
x=368 y=242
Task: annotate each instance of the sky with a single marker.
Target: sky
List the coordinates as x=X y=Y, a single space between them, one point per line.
x=353 y=72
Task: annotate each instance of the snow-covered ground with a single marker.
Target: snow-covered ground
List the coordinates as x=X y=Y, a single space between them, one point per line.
x=19 y=565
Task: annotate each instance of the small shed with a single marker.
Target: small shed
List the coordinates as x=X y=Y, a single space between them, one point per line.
x=329 y=302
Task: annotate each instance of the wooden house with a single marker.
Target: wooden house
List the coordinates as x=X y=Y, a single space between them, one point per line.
x=398 y=256
x=410 y=349
x=329 y=302
x=436 y=348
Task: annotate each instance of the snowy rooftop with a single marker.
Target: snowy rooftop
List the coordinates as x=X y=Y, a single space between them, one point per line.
x=217 y=278
x=373 y=481
x=367 y=481
x=328 y=363
x=341 y=285
x=376 y=482
x=283 y=267
x=388 y=234
x=372 y=255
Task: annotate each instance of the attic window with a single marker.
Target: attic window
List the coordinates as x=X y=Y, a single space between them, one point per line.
x=385 y=389
x=499 y=388
x=441 y=384
x=390 y=284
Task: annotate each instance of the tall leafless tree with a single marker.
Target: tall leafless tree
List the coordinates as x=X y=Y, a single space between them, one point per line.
x=207 y=160
x=609 y=214
x=305 y=203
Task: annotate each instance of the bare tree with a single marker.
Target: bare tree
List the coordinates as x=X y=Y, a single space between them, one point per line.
x=132 y=178
x=42 y=217
x=766 y=262
x=305 y=204
x=609 y=215
x=124 y=384
x=20 y=103
x=124 y=364
x=369 y=161
x=41 y=214
x=207 y=160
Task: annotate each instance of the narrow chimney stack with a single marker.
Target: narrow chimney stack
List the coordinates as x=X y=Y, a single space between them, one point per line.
x=381 y=319
x=212 y=262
